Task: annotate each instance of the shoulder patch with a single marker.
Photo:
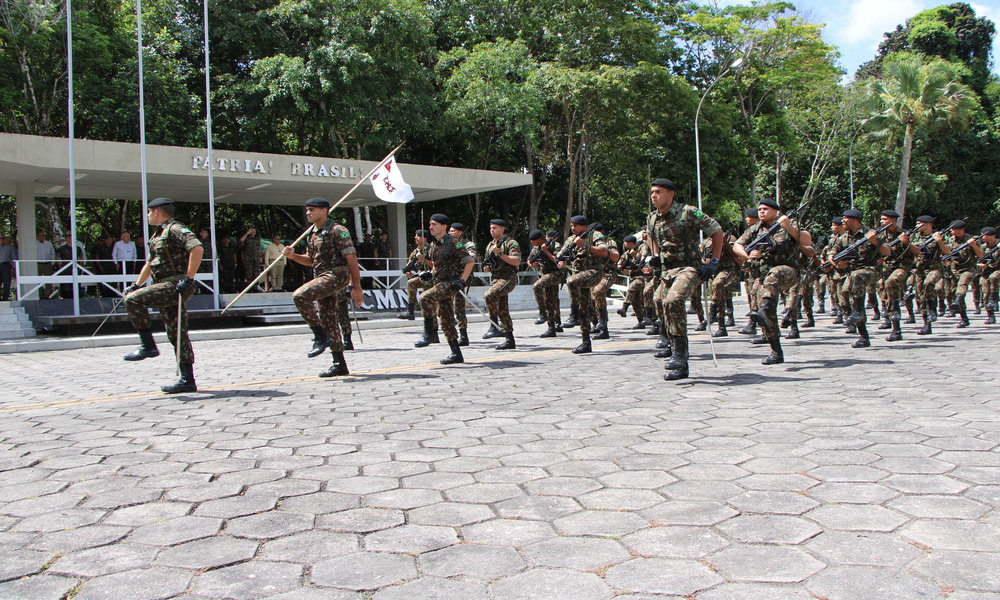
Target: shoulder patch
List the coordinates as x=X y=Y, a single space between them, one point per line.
x=345 y=234
x=698 y=213
x=459 y=245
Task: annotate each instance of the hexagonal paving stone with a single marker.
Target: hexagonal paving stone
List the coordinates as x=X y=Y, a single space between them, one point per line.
x=438 y=481
x=854 y=548
x=26 y=562
x=853 y=493
x=40 y=587
x=662 y=576
x=701 y=490
x=865 y=583
x=155 y=583
x=781 y=503
x=252 y=580
x=772 y=564
x=769 y=529
x=925 y=484
x=551 y=584
x=235 y=506
x=562 y=486
x=361 y=520
x=411 y=539
x=433 y=588
x=484 y=492
x=642 y=479
x=544 y=508
x=978 y=571
x=857 y=517
x=269 y=525
x=364 y=571
x=507 y=532
x=680 y=512
x=954 y=535
x=305 y=547
x=939 y=507
x=453 y=514
x=674 y=542
x=605 y=523
x=208 y=553
x=516 y=475
x=320 y=503
x=362 y=485
x=176 y=531
x=484 y=563
x=761 y=591
x=577 y=553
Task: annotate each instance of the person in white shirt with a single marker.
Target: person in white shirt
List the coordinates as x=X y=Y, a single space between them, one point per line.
x=276 y=276
x=46 y=256
x=124 y=254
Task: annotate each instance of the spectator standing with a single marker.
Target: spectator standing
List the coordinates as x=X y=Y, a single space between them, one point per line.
x=124 y=254
x=252 y=256
x=227 y=265
x=6 y=267
x=275 y=280
x=65 y=255
x=383 y=252
x=46 y=257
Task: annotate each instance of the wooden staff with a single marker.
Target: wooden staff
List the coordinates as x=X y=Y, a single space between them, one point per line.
x=310 y=228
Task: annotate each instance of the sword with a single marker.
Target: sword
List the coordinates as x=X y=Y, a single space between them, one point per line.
x=479 y=310
x=708 y=317
x=177 y=338
x=354 y=309
x=113 y=309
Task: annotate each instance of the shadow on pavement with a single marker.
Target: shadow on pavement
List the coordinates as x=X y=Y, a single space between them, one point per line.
x=746 y=379
x=835 y=363
x=221 y=394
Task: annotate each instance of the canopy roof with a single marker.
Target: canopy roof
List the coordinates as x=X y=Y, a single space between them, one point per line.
x=112 y=170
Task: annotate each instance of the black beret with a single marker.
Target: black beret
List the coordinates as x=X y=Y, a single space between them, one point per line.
x=159 y=202
x=751 y=212
x=838 y=220
x=552 y=233
x=423 y=233
x=768 y=202
x=853 y=213
x=599 y=227
x=579 y=220
x=925 y=219
x=318 y=202
x=458 y=226
x=957 y=224
x=890 y=213
x=630 y=238
x=499 y=222
x=535 y=234
x=989 y=231
x=439 y=218
x=664 y=183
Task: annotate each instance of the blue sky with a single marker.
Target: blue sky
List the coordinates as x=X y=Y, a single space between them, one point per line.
x=856 y=26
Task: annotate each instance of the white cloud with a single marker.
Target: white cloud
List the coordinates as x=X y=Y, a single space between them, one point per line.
x=865 y=21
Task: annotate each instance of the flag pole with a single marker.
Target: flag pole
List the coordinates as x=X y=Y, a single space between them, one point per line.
x=308 y=229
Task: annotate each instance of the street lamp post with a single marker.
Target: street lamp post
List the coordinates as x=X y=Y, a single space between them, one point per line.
x=697 y=113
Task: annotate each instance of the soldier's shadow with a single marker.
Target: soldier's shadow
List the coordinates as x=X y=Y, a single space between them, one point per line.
x=502 y=364
x=746 y=379
x=385 y=377
x=834 y=363
x=201 y=396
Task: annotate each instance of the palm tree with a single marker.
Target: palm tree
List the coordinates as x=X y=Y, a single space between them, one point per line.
x=914 y=96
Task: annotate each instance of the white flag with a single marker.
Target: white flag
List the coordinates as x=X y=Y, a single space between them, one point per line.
x=387 y=181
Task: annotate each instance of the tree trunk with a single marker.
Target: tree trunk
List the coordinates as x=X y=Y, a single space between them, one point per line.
x=904 y=170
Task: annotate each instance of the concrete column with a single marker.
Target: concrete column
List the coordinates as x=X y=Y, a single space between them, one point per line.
x=397 y=232
x=27 y=245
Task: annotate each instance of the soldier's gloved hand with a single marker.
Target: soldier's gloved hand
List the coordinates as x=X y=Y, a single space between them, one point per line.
x=426 y=275
x=655 y=263
x=185 y=284
x=458 y=284
x=131 y=288
x=708 y=269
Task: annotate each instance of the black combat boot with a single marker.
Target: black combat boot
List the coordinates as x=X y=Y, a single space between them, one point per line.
x=584 y=347
x=185 y=383
x=926 y=329
x=765 y=314
x=666 y=347
x=702 y=325
x=146 y=349
x=348 y=342
x=463 y=337
x=493 y=331
x=910 y=317
x=858 y=313
x=810 y=321
x=822 y=306
x=623 y=311
x=786 y=319
x=551 y=331
x=321 y=341
x=456 y=354
x=932 y=314
x=864 y=341
x=407 y=315
x=507 y=344
x=793 y=330
x=851 y=329
x=542 y=317
x=885 y=324
x=776 y=357
x=649 y=318
x=991 y=317
x=838 y=316
x=655 y=329
x=962 y=313
x=574 y=317
x=640 y=323
x=730 y=321
x=897 y=332
x=992 y=303
x=692 y=308
x=600 y=332
x=338 y=368
x=750 y=328
x=721 y=325
x=873 y=304
x=677 y=366
x=945 y=308
x=430 y=335
x=664 y=341
x=713 y=313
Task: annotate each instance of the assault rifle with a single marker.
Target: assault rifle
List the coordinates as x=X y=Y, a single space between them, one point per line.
x=958 y=251
x=907 y=233
x=569 y=252
x=764 y=241
x=852 y=250
x=988 y=255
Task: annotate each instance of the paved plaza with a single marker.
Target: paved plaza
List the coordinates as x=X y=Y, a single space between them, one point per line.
x=531 y=474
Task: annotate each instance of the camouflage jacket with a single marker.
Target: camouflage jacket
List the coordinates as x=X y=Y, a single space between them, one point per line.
x=581 y=257
x=470 y=246
x=867 y=255
x=327 y=246
x=545 y=264
x=250 y=250
x=169 y=248
x=675 y=234
x=967 y=257
x=508 y=246
x=899 y=255
x=449 y=258
x=784 y=252
x=727 y=260
x=931 y=258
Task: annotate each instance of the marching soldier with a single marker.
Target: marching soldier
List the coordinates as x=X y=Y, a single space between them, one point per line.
x=800 y=295
x=586 y=252
x=174 y=257
x=989 y=265
x=451 y=266
x=963 y=266
x=457 y=231
x=928 y=246
x=674 y=237
x=600 y=291
x=503 y=256
x=546 y=288
x=861 y=270
x=413 y=269
x=630 y=265
x=720 y=287
x=835 y=278
x=898 y=266
x=751 y=278
x=330 y=252
x=775 y=260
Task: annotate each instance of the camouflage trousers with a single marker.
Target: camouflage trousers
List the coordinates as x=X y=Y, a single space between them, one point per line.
x=822 y=282
x=458 y=307
x=930 y=288
x=963 y=281
x=720 y=287
x=162 y=296
x=989 y=285
x=344 y=316
x=649 y=292
x=859 y=281
x=581 y=285
x=600 y=293
x=678 y=285
x=251 y=269
x=546 y=291
x=752 y=283
x=439 y=300
x=894 y=285
x=496 y=302
x=800 y=296
x=635 y=295
x=412 y=285
x=778 y=280
x=326 y=292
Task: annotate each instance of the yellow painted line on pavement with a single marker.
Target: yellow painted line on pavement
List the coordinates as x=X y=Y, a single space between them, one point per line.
x=291 y=380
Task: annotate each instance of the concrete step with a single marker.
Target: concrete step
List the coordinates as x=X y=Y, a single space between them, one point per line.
x=20 y=317
x=16 y=334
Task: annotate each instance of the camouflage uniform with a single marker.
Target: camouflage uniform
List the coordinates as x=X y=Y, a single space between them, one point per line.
x=862 y=270
x=675 y=234
x=929 y=274
x=169 y=248
x=459 y=300
x=546 y=288
x=415 y=283
x=630 y=265
x=898 y=266
x=588 y=272
x=963 y=267
x=449 y=258
x=503 y=282
x=990 y=271
x=252 y=257
x=327 y=246
x=777 y=266
x=720 y=287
